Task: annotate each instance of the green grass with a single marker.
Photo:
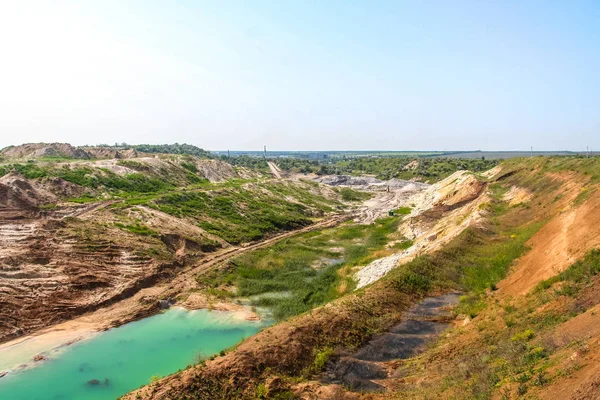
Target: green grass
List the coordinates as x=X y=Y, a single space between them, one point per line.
x=576 y=276
x=473 y=262
x=240 y=215
x=138 y=229
x=306 y=271
x=353 y=195
x=403 y=245
x=403 y=211
x=237 y=217
x=29 y=170
x=189 y=166
x=519 y=351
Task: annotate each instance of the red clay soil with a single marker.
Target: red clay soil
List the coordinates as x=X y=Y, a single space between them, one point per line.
x=557 y=245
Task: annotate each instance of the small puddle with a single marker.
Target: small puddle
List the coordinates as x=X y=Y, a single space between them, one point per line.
x=119 y=360
x=423 y=323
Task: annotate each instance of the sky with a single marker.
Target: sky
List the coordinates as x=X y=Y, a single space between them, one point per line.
x=302 y=75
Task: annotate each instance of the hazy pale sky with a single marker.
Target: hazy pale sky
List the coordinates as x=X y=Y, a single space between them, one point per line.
x=302 y=74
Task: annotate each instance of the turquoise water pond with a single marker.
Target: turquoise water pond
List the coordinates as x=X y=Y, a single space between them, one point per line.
x=124 y=358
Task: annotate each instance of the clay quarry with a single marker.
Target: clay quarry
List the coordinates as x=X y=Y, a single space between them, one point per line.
x=480 y=284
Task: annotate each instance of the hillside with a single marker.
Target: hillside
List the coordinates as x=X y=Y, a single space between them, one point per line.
x=45 y=151
x=80 y=235
x=481 y=285
x=518 y=243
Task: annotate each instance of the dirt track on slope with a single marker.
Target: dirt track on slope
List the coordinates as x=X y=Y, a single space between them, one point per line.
x=275 y=170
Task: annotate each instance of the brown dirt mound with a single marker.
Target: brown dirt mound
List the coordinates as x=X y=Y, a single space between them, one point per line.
x=18 y=198
x=21 y=198
x=107 y=152
x=35 y=150
x=50 y=272
x=58 y=187
x=216 y=170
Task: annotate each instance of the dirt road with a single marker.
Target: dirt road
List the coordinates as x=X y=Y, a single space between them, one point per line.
x=275 y=170
x=144 y=302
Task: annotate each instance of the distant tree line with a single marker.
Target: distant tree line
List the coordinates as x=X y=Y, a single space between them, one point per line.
x=175 y=148
x=425 y=169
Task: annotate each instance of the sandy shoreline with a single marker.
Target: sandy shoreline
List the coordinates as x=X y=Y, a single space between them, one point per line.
x=19 y=353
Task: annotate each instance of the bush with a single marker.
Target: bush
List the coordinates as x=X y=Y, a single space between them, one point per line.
x=412 y=283
x=353 y=195
x=189 y=166
x=523 y=336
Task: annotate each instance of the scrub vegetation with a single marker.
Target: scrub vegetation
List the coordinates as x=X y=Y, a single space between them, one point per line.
x=507 y=346
x=244 y=213
x=298 y=274
x=431 y=169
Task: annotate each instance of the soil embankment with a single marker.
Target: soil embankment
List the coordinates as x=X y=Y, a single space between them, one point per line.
x=70 y=249
x=562 y=241
x=438 y=214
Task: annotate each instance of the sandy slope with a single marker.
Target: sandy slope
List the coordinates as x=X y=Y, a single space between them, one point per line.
x=561 y=242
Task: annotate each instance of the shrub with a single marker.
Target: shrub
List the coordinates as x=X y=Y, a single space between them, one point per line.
x=523 y=336
x=412 y=283
x=353 y=195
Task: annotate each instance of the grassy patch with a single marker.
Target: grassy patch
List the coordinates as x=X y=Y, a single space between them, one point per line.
x=189 y=166
x=575 y=277
x=403 y=245
x=28 y=170
x=353 y=195
x=138 y=229
x=475 y=261
x=306 y=271
x=239 y=214
x=402 y=211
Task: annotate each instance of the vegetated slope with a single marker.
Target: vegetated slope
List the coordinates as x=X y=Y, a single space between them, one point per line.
x=303 y=272
x=533 y=334
x=299 y=347
x=79 y=235
x=541 y=344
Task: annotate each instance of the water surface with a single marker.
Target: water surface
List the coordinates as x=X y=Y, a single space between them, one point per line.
x=122 y=359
